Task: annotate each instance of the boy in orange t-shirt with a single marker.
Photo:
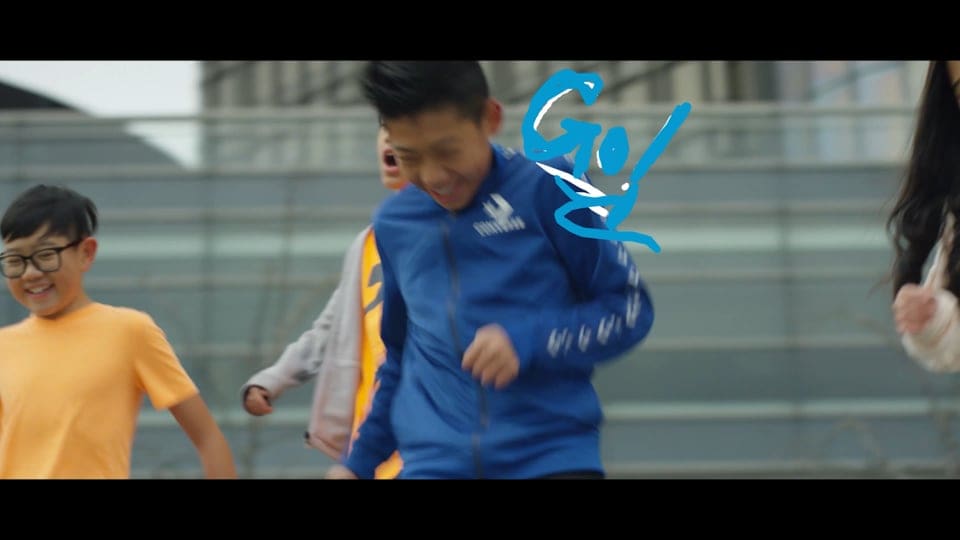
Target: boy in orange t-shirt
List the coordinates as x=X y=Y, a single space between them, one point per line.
x=73 y=374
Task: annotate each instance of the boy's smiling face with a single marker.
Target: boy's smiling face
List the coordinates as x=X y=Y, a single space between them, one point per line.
x=443 y=152
x=51 y=294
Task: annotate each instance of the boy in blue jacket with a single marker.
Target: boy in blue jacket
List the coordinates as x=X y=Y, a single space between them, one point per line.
x=494 y=316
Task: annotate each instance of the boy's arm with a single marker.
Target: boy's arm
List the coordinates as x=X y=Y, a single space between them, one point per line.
x=301 y=359
x=375 y=441
x=196 y=421
x=161 y=375
x=614 y=313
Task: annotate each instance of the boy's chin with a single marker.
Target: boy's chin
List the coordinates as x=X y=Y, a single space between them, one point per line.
x=47 y=311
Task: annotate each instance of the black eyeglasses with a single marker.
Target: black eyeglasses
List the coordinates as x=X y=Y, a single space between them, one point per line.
x=45 y=260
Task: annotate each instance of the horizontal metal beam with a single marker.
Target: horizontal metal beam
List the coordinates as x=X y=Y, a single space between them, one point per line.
x=662 y=277
x=267 y=351
x=706 y=469
x=778 y=410
x=653 y=412
x=753 y=468
x=274 y=214
x=317 y=172
x=265 y=244
x=315 y=112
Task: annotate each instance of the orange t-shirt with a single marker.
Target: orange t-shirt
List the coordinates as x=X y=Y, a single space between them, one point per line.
x=372 y=350
x=71 y=390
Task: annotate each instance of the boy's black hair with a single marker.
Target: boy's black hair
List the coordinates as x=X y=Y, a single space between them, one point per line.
x=398 y=89
x=62 y=209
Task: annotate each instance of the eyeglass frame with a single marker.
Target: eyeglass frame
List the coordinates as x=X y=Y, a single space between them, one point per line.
x=29 y=259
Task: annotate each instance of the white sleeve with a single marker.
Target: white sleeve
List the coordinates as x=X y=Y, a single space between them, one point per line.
x=301 y=360
x=937 y=346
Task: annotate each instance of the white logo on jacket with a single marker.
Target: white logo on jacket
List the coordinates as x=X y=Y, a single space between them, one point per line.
x=501 y=215
x=605 y=328
x=584 y=340
x=561 y=339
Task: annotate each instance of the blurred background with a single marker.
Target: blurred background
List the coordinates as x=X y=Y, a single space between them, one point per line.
x=229 y=192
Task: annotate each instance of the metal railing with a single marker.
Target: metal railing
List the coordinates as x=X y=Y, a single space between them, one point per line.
x=339 y=141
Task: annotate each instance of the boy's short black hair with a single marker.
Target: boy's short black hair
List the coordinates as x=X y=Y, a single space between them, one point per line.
x=62 y=209
x=398 y=89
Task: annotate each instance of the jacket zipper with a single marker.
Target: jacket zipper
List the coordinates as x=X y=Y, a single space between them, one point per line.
x=451 y=313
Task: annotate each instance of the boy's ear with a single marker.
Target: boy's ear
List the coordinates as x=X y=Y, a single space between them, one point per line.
x=492 y=117
x=88 y=252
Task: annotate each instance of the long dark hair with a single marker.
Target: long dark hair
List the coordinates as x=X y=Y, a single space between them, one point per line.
x=931 y=187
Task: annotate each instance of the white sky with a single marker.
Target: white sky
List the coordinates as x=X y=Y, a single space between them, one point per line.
x=111 y=88
x=121 y=88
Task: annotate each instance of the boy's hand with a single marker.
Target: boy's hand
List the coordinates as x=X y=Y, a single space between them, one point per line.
x=257 y=401
x=339 y=472
x=913 y=308
x=491 y=357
